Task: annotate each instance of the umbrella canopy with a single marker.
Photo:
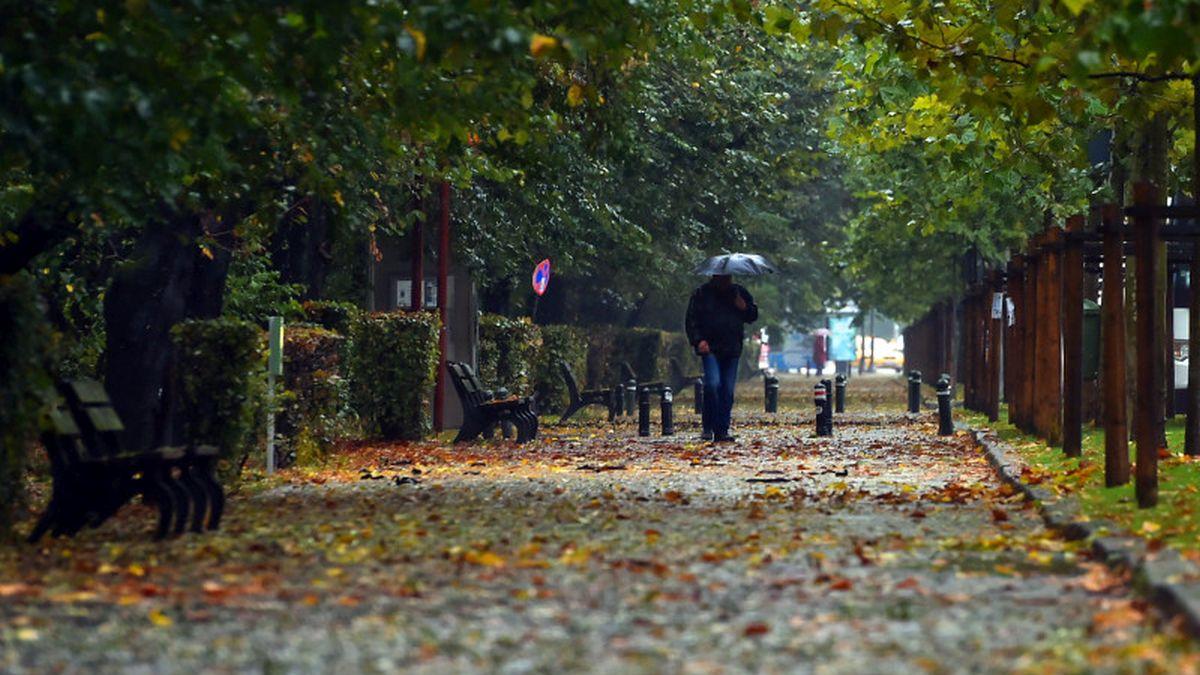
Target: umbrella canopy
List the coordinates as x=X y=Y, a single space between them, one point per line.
x=742 y=264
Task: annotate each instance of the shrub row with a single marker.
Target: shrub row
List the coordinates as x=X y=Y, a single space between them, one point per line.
x=518 y=355
x=25 y=354
x=393 y=365
x=221 y=383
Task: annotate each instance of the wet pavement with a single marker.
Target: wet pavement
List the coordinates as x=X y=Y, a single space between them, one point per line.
x=882 y=549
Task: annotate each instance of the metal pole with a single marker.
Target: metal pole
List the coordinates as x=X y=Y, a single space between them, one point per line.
x=443 y=301
x=914 y=391
x=839 y=394
x=667 y=405
x=643 y=404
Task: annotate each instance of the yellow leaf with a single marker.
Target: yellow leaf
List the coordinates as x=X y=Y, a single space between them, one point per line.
x=574 y=95
x=129 y=599
x=70 y=288
x=178 y=138
x=483 y=559
x=1005 y=569
x=1077 y=6
x=575 y=556
x=206 y=252
x=1150 y=527
x=159 y=619
x=27 y=634
x=337 y=198
x=136 y=569
x=418 y=38
x=540 y=44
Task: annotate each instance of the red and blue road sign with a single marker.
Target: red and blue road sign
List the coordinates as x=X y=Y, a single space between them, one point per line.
x=541 y=276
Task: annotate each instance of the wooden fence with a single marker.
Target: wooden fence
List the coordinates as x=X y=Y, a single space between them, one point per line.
x=1019 y=334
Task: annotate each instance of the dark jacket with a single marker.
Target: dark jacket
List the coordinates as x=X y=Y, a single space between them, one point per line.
x=712 y=316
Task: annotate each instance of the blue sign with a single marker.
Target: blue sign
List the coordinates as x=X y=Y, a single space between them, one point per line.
x=842 y=341
x=541 y=276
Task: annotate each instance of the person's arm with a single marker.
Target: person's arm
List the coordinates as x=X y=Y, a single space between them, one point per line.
x=690 y=325
x=749 y=312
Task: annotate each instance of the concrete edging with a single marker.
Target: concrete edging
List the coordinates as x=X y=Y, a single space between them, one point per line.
x=1170 y=582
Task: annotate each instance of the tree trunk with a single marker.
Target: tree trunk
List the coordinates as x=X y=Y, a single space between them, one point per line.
x=302 y=249
x=168 y=279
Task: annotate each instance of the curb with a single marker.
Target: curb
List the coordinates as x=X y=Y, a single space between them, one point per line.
x=1170 y=582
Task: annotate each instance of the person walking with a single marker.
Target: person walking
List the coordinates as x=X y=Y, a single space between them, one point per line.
x=716 y=314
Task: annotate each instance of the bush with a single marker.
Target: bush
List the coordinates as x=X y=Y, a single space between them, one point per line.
x=559 y=343
x=393 y=364
x=642 y=348
x=335 y=316
x=25 y=387
x=315 y=405
x=222 y=382
x=601 y=348
x=508 y=352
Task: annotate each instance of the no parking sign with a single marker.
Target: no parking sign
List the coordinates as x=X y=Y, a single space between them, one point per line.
x=541 y=277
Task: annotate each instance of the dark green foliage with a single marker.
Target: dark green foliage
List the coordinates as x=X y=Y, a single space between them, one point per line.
x=641 y=348
x=601 y=346
x=335 y=316
x=24 y=385
x=508 y=352
x=559 y=343
x=315 y=407
x=393 y=363
x=221 y=383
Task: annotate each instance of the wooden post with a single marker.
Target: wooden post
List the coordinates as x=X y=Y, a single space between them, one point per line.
x=1191 y=445
x=1192 y=423
x=1051 y=379
x=1147 y=425
x=1033 y=274
x=995 y=337
x=1014 y=353
x=1072 y=336
x=1112 y=311
x=418 y=266
x=443 y=302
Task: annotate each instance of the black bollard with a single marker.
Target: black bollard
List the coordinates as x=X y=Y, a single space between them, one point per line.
x=770 y=392
x=820 y=402
x=618 y=400
x=698 y=396
x=643 y=405
x=914 y=391
x=630 y=396
x=667 y=406
x=839 y=394
x=945 y=420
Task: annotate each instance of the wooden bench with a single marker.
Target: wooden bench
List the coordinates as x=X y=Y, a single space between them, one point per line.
x=582 y=399
x=483 y=411
x=93 y=477
x=679 y=380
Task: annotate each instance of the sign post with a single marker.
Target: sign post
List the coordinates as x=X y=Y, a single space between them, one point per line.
x=274 y=369
x=541 y=279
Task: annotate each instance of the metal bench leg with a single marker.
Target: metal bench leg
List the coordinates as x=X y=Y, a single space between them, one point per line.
x=199 y=498
x=207 y=475
x=164 y=499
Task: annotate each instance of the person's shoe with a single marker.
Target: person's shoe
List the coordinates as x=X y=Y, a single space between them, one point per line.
x=706 y=436
x=727 y=438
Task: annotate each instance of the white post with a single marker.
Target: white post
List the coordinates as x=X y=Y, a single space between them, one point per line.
x=274 y=367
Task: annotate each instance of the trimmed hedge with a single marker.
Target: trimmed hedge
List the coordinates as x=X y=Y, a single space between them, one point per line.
x=315 y=404
x=25 y=352
x=601 y=350
x=508 y=352
x=221 y=382
x=393 y=366
x=331 y=315
x=559 y=343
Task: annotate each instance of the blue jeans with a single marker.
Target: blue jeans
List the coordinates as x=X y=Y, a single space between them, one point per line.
x=720 y=377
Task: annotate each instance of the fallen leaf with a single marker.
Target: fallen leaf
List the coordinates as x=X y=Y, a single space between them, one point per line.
x=756 y=628
x=159 y=619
